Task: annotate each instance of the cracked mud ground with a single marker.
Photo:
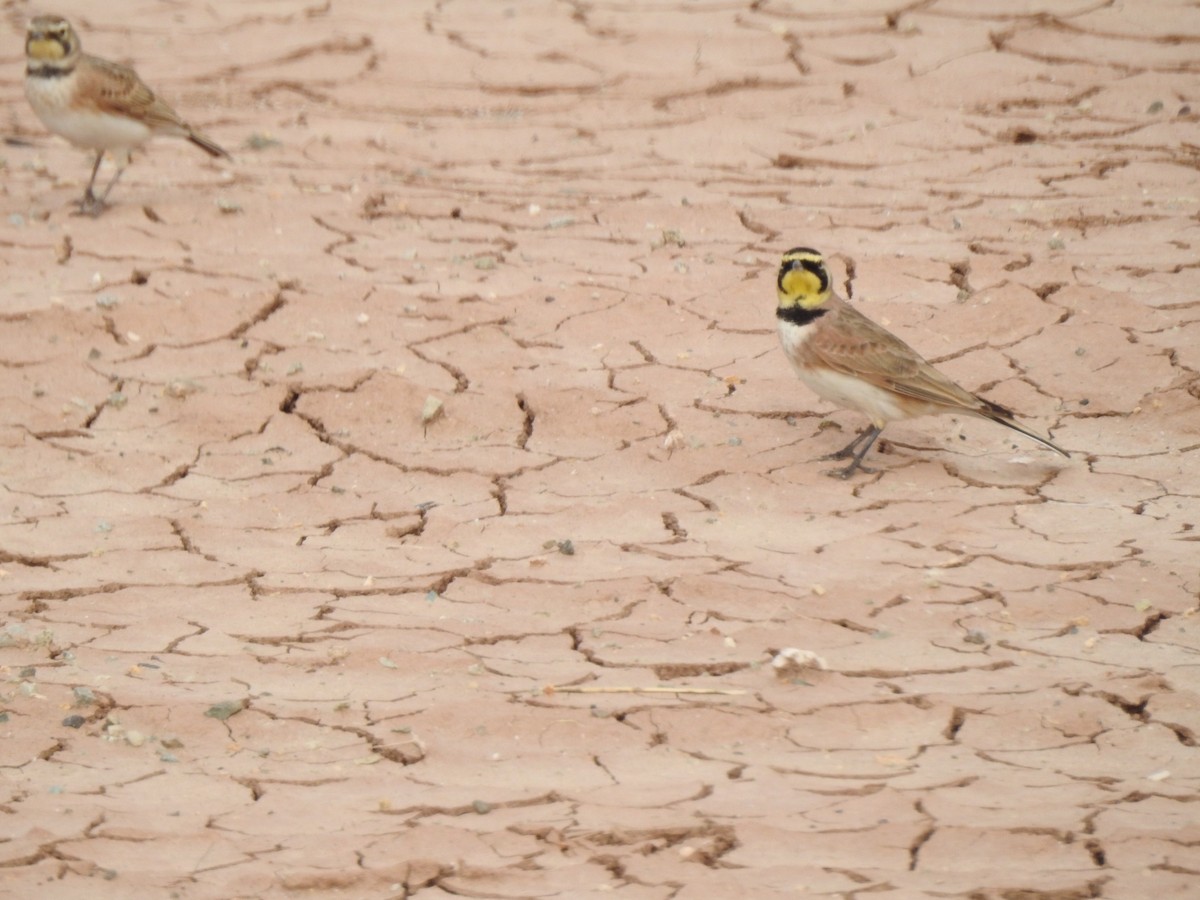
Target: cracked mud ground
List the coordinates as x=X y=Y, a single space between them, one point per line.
x=413 y=507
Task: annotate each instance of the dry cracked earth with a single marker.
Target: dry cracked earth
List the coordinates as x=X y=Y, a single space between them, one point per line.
x=418 y=505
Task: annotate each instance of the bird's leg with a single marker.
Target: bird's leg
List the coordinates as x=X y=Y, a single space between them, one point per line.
x=867 y=438
x=848 y=450
x=108 y=190
x=89 y=205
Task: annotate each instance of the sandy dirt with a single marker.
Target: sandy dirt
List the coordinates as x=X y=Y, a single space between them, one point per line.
x=413 y=507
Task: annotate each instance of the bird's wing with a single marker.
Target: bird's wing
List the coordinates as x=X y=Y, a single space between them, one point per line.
x=854 y=345
x=117 y=89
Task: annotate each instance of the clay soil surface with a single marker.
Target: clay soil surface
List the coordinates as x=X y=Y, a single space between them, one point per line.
x=414 y=505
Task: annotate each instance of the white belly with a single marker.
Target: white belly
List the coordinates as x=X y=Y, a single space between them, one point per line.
x=878 y=404
x=50 y=100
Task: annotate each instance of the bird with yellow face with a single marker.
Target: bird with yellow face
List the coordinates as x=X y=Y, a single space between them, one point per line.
x=94 y=103
x=850 y=361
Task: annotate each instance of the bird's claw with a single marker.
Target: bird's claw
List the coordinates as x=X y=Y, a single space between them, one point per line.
x=90 y=205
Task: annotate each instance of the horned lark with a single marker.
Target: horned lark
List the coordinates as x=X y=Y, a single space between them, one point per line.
x=847 y=359
x=94 y=103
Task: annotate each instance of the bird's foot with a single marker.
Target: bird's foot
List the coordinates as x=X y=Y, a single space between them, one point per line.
x=857 y=449
x=90 y=205
x=846 y=472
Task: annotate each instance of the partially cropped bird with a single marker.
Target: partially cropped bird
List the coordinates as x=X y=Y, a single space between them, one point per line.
x=848 y=360
x=94 y=103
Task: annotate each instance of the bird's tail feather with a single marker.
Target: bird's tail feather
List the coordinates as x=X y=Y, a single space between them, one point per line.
x=207 y=144
x=999 y=414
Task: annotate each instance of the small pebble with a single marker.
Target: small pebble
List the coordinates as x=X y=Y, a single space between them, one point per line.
x=84 y=696
x=225 y=709
x=259 y=141
x=431 y=410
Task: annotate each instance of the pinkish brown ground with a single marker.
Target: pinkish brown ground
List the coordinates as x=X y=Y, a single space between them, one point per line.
x=309 y=621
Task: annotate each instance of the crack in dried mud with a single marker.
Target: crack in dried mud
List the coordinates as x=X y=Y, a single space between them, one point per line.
x=222 y=483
